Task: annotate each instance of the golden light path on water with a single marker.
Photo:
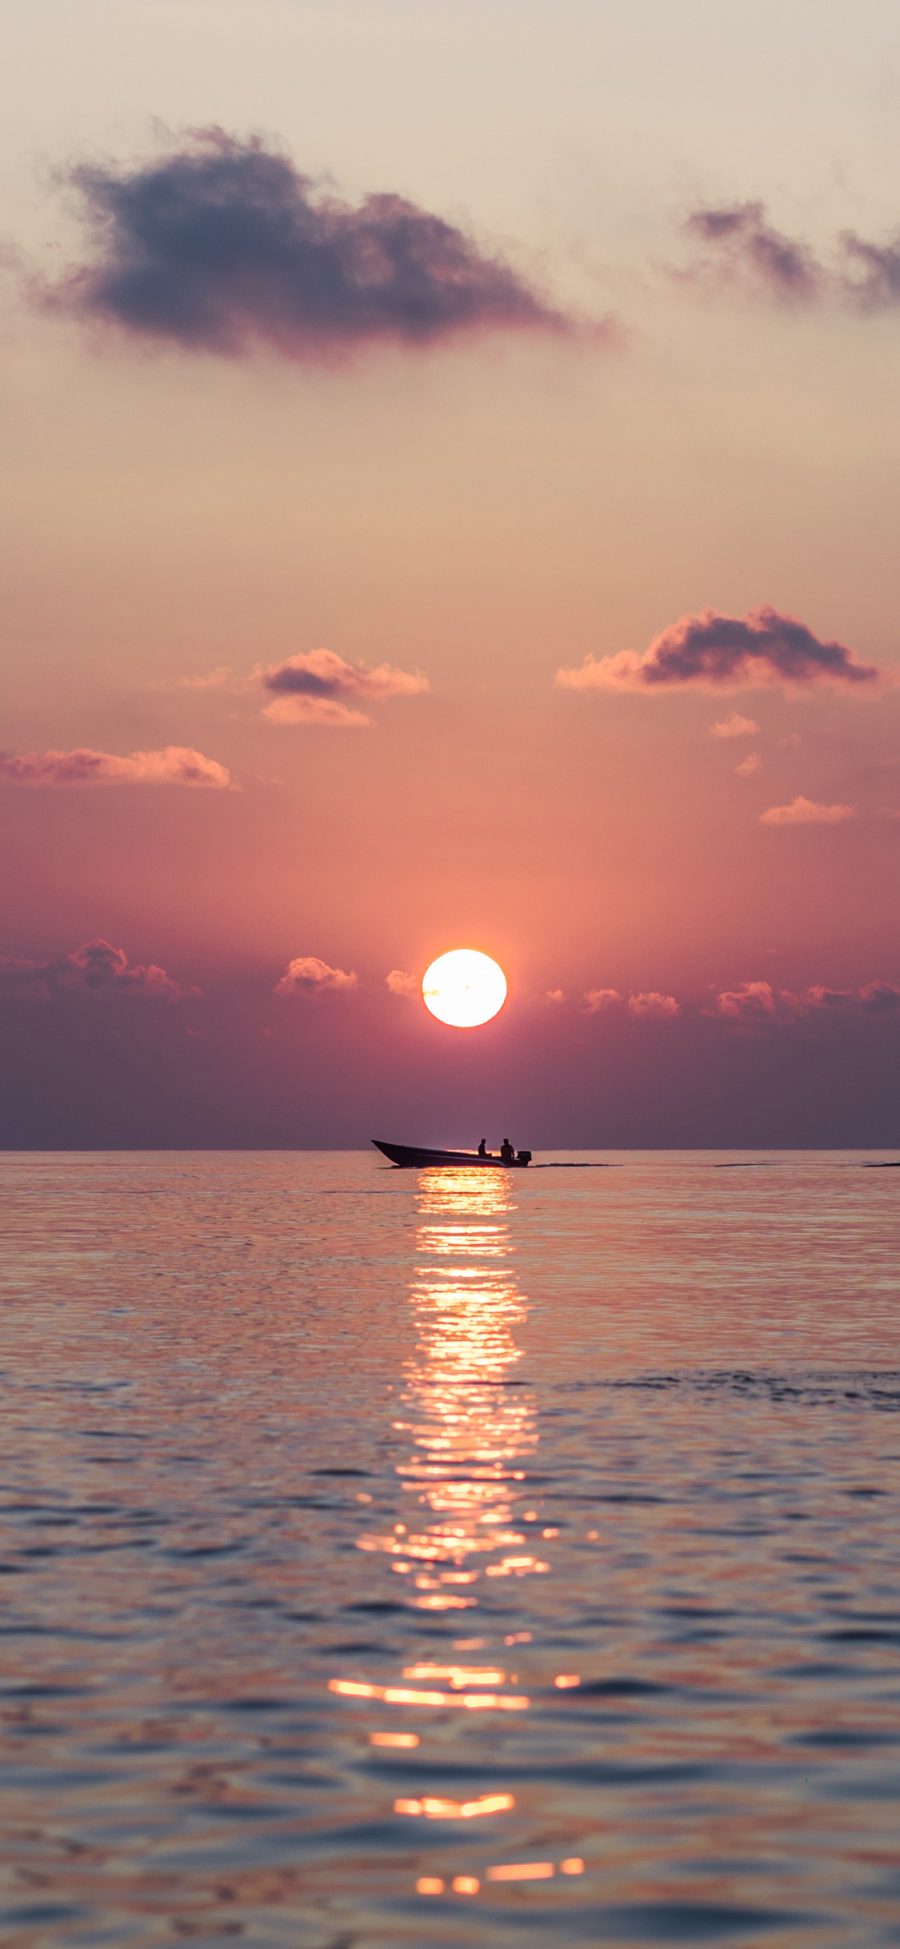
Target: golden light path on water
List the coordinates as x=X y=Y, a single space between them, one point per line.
x=471 y=1426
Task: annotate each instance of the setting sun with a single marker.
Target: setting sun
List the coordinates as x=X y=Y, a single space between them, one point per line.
x=464 y=988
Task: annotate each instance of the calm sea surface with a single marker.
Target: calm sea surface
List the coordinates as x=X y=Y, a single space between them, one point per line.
x=449 y=1558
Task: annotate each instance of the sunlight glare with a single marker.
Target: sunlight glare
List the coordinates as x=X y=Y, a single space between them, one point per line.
x=464 y=988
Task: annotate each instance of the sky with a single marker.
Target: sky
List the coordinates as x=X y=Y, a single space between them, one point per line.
x=448 y=499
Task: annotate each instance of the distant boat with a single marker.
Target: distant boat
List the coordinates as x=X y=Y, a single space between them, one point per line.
x=411 y=1157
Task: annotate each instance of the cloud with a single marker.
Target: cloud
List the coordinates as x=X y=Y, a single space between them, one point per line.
x=221 y=245
x=745 y=244
x=878 y=997
x=555 y=996
x=749 y=766
x=175 y=764
x=743 y=247
x=664 y=1006
x=757 y=1001
x=711 y=651
x=218 y=679
x=872 y=274
x=315 y=710
x=805 y=812
x=307 y=975
x=597 y=1000
x=94 y=968
x=320 y=687
x=792 y=1003
x=753 y=1001
x=734 y=726
x=400 y=983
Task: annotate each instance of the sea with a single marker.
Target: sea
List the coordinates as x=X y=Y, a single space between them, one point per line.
x=465 y=1558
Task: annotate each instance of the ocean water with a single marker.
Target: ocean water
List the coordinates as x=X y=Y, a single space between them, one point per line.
x=397 y=1558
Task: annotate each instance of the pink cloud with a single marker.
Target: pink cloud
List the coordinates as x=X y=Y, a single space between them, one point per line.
x=806 y=812
x=758 y=1002
x=752 y=1001
x=816 y=996
x=555 y=996
x=653 y=1004
x=749 y=766
x=734 y=726
x=711 y=651
x=307 y=975
x=315 y=710
x=175 y=764
x=597 y=1000
x=320 y=687
x=877 y=997
x=94 y=968
x=398 y=982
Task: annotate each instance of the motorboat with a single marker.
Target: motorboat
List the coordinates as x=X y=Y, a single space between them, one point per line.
x=413 y=1157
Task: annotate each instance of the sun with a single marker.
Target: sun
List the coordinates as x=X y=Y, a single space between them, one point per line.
x=464 y=988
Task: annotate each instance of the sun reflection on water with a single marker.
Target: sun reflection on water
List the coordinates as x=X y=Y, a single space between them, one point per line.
x=470 y=1426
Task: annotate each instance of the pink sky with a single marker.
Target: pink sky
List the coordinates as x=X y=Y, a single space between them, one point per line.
x=450 y=502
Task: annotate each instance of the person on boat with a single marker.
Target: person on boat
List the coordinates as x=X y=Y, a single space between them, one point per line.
x=482 y=1148
x=506 y=1151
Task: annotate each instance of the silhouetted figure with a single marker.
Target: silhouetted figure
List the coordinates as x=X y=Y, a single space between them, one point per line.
x=482 y=1148
x=506 y=1151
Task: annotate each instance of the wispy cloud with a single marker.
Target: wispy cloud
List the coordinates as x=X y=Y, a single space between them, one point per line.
x=320 y=687
x=734 y=726
x=222 y=245
x=744 y=243
x=711 y=651
x=219 y=679
x=742 y=250
x=307 y=975
x=175 y=764
x=95 y=968
x=749 y=766
x=872 y=270
x=806 y=812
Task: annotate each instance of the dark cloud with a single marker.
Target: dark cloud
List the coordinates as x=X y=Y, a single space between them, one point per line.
x=739 y=243
x=221 y=245
x=872 y=273
x=716 y=652
x=320 y=687
x=743 y=239
x=94 y=968
x=175 y=764
x=879 y=997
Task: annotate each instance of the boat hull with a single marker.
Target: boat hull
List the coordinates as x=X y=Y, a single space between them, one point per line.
x=410 y=1157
